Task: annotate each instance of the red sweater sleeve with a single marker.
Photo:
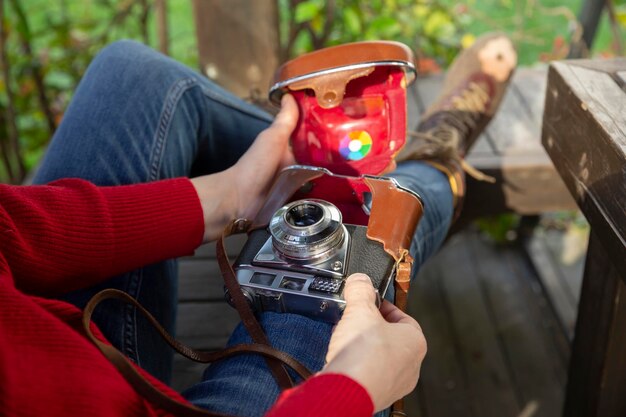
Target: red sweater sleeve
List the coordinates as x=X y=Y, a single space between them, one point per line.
x=327 y=395
x=71 y=234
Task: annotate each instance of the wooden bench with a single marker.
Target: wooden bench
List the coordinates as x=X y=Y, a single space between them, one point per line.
x=509 y=150
x=585 y=135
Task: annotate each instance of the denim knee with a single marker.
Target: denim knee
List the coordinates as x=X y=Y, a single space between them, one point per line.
x=128 y=59
x=122 y=49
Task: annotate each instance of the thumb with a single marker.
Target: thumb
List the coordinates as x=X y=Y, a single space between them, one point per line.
x=359 y=293
x=286 y=119
x=274 y=141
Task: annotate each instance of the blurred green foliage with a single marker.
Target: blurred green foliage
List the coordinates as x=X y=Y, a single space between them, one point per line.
x=541 y=29
x=49 y=43
x=501 y=229
x=62 y=37
x=429 y=27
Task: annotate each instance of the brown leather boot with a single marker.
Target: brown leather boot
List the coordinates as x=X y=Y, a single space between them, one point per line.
x=472 y=91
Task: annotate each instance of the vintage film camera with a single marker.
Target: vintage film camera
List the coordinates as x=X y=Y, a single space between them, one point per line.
x=335 y=214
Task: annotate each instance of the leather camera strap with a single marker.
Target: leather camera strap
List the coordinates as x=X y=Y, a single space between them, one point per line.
x=276 y=359
x=402 y=283
x=241 y=303
x=143 y=386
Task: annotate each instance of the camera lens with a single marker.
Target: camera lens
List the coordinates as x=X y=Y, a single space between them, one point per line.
x=307 y=230
x=305 y=214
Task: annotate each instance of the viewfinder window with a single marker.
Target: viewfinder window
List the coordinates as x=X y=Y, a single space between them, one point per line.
x=262 y=279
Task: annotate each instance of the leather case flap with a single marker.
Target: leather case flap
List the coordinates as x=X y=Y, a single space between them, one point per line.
x=393 y=217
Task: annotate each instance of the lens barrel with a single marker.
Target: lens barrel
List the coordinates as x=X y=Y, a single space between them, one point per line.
x=307 y=230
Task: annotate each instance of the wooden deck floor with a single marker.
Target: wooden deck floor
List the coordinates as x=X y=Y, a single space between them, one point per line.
x=495 y=345
x=498 y=342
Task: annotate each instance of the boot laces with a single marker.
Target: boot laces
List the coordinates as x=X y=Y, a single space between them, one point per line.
x=444 y=139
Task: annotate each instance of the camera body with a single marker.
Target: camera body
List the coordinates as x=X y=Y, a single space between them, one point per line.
x=299 y=263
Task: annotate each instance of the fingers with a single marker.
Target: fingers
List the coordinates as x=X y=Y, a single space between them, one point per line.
x=274 y=141
x=393 y=314
x=360 y=293
x=271 y=147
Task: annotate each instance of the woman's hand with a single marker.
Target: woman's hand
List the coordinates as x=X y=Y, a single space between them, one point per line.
x=380 y=349
x=240 y=191
x=257 y=168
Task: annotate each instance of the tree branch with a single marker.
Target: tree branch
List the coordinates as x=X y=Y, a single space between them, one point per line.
x=11 y=114
x=34 y=64
x=618 y=46
x=294 y=30
x=143 y=20
x=160 y=11
x=117 y=19
x=328 y=24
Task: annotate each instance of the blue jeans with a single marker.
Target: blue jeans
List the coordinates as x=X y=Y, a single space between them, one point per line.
x=138 y=116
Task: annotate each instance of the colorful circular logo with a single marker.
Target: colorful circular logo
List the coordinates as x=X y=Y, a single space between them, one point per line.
x=355 y=145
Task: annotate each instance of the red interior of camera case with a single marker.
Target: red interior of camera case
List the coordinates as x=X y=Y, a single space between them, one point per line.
x=359 y=136
x=347 y=193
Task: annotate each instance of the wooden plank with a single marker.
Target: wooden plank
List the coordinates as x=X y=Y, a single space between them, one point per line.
x=549 y=321
x=521 y=329
x=523 y=185
x=584 y=132
x=238 y=43
x=567 y=250
x=200 y=280
x=233 y=247
x=512 y=128
x=565 y=305
x=597 y=383
x=443 y=388
x=492 y=392
x=186 y=373
x=497 y=290
x=414 y=108
x=621 y=79
x=611 y=67
x=205 y=325
x=206 y=251
x=529 y=84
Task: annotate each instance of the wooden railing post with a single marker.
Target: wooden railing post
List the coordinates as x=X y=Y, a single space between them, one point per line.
x=589 y=18
x=238 y=43
x=584 y=132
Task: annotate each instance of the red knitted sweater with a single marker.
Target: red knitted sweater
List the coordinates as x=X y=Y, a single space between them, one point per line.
x=69 y=235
